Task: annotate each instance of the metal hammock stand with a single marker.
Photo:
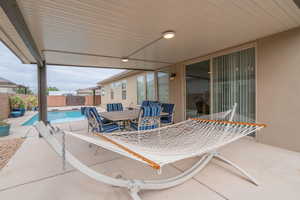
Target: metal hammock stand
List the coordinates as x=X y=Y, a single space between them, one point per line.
x=207 y=153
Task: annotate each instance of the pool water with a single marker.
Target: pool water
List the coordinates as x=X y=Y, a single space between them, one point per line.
x=58 y=117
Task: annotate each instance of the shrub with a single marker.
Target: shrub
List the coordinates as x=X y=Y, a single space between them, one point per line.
x=16 y=102
x=31 y=102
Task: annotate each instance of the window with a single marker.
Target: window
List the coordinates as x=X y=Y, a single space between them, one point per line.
x=150 y=91
x=123 y=86
x=141 y=93
x=117 y=84
x=102 y=92
x=163 y=86
x=150 y=88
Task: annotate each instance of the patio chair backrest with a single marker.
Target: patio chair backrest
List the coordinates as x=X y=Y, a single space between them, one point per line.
x=114 y=107
x=145 y=103
x=95 y=119
x=149 y=117
x=82 y=110
x=150 y=103
x=168 y=108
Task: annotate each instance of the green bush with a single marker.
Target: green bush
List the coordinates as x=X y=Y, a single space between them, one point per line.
x=28 y=102
x=16 y=102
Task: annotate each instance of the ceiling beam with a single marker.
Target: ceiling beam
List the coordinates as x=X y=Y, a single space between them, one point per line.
x=102 y=56
x=99 y=67
x=13 y=12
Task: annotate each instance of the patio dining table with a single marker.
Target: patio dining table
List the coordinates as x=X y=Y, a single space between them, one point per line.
x=125 y=115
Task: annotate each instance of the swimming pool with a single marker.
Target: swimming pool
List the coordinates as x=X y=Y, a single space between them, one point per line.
x=58 y=117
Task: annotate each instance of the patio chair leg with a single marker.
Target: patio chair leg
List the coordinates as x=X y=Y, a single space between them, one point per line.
x=246 y=174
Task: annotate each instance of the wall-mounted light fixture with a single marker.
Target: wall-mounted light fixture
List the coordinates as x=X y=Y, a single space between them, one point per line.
x=172 y=76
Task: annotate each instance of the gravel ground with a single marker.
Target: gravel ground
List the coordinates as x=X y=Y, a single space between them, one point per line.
x=7 y=149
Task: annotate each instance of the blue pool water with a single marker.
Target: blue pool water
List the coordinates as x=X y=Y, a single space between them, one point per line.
x=58 y=117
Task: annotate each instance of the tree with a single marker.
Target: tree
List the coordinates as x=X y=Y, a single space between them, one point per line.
x=23 y=90
x=52 y=89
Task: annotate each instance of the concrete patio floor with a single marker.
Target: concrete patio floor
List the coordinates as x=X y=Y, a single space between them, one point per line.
x=35 y=173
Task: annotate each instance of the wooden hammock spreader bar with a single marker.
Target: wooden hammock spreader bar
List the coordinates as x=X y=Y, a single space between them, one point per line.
x=150 y=162
x=229 y=122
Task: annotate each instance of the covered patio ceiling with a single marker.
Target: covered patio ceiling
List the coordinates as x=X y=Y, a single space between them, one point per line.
x=99 y=33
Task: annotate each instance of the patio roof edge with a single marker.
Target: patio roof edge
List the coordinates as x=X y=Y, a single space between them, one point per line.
x=14 y=14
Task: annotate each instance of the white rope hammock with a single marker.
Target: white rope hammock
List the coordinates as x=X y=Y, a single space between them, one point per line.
x=158 y=147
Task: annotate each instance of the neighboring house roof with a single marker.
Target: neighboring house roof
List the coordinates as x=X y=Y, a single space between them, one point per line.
x=88 y=91
x=119 y=76
x=61 y=93
x=7 y=83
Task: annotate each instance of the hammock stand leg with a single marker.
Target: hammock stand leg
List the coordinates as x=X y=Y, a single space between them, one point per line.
x=246 y=174
x=135 y=195
x=177 y=180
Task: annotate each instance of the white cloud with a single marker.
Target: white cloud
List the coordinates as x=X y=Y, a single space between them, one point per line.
x=64 y=78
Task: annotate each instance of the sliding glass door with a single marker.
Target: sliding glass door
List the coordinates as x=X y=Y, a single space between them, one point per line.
x=234 y=82
x=197 y=89
x=215 y=85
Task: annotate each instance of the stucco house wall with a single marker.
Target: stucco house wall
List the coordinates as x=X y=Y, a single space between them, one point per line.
x=131 y=92
x=278 y=87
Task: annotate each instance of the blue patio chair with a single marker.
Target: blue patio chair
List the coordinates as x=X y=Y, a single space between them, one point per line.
x=149 y=118
x=145 y=103
x=97 y=122
x=154 y=103
x=150 y=103
x=114 y=107
x=83 y=109
x=86 y=111
x=167 y=108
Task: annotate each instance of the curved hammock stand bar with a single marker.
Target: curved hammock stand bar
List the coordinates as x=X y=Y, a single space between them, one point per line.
x=124 y=143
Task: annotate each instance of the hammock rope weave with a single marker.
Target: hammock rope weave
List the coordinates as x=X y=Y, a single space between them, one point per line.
x=158 y=147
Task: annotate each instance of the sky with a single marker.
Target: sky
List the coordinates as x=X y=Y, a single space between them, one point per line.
x=64 y=78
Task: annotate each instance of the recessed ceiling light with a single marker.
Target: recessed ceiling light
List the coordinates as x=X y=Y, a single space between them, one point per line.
x=124 y=59
x=168 y=34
